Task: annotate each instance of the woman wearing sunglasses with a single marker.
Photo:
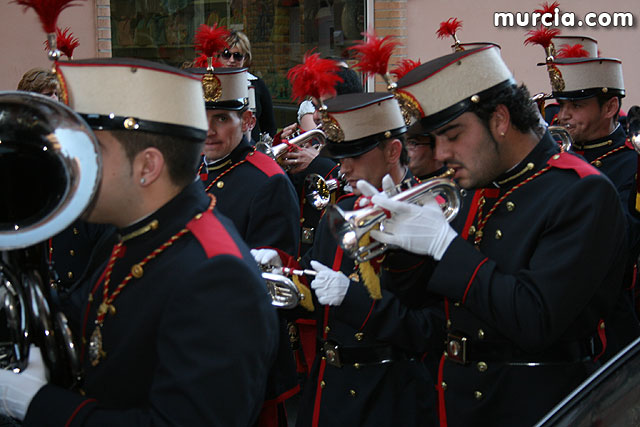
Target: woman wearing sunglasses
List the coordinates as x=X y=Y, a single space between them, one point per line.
x=238 y=55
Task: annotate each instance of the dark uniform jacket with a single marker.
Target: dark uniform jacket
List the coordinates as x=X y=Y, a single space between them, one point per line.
x=364 y=391
x=180 y=347
x=255 y=193
x=524 y=307
x=616 y=158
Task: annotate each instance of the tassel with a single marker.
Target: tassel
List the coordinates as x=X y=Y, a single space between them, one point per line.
x=367 y=272
x=306 y=301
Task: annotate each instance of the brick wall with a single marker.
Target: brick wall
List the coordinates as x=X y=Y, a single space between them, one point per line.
x=390 y=19
x=103 y=28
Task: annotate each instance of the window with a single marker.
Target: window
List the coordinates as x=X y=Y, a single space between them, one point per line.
x=281 y=31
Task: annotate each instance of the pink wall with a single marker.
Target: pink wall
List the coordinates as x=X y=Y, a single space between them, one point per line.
x=424 y=17
x=22 y=38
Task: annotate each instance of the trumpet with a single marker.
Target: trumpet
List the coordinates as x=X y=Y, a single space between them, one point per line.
x=284 y=293
x=348 y=227
x=279 y=152
x=318 y=190
x=562 y=133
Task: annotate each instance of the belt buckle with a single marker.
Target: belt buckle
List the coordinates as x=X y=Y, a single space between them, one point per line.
x=457 y=348
x=331 y=353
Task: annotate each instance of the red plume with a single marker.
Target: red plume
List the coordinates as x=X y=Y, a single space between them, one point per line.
x=575 y=51
x=201 y=61
x=541 y=36
x=548 y=8
x=315 y=77
x=403 y=67
x=374 y=53
x=66 y=42
x=449 y=28
x=47 y=10
x=211 y=40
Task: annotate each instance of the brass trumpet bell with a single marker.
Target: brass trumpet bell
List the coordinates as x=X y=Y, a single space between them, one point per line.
x=283 y=292
x=562 y=134
x=348 y=227
x=318 y=190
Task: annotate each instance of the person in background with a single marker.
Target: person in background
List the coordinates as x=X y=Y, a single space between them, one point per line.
x=41 y=81
x=238 y=55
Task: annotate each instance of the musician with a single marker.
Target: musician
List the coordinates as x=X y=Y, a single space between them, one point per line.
x=368 y=368
x=71 y=249
x=422 y=162
x=252 y=190
x=589 y=107
x=165 y=337
x=532 y=263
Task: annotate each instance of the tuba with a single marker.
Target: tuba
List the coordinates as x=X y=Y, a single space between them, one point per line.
x=50 y=170
x=348 y=227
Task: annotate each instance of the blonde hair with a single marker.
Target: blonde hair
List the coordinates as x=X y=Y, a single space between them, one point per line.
x=38 y=80
x=240 y=39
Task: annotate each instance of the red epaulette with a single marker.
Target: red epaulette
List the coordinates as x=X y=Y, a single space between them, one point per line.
x=265 y=163
x=212 y=235
x=569 y=161
x=629 y=144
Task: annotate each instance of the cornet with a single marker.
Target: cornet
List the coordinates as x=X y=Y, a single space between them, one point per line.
x=279 y=152
x=563 y=134
x=284 y=293
x=349 y=227
x=318 y=190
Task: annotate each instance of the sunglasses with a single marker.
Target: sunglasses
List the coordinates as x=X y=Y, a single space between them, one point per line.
x=236 y=55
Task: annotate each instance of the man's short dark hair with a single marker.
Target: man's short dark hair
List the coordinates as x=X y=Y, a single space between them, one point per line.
x=602 y=99
x=182 y=156
x=351 y=82
x=522 y=109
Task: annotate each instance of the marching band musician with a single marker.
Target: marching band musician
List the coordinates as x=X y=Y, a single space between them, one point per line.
x=524 y=327
x=165 y=339
x=590 y=98
x=368 y=368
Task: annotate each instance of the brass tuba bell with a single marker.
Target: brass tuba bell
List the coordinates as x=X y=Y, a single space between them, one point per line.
x=348 y=227
x=50 y=169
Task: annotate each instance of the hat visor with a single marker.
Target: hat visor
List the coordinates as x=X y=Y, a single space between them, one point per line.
x=232 y=105
x=588 y=93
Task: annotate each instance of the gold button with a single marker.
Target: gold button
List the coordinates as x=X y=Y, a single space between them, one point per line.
x=597 y=164
x=448 y=323
x=472 y=230
x=356 y=365
x=475 y=99
x=326 y=329
x=352 y=393
x=198 y=216
x=605 y=89
x=220 y=184
x=323 y=384
x=301 y=220
x=601 y=325
x=477 y=394
x=359 y=336
x=482 y=367
x=444 y=385
x=510 y=206
x=72 y=252
x=70 y=274
x=137 y=271
x=556 y=156
x=51 y=250
x=76 y=231
x=498 y=234
x=480 y=334
x=456 y=304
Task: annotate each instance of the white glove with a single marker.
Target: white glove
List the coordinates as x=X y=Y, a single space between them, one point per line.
x=330 y=286
x=369 y=190
x=419 y=229
x=17 y=390
x=267 y=257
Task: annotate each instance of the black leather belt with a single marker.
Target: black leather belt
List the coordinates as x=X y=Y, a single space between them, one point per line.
x=339 y=356
x=460 y=349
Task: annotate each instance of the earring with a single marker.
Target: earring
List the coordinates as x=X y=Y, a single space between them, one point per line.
x=143 y=181
x=501 y=134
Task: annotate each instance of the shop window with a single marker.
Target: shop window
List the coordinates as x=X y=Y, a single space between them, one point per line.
x=281 y=31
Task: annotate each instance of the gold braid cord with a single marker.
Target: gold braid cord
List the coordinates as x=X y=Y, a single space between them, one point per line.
x=555 y=76
x=305 y=301
x=369 y=276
